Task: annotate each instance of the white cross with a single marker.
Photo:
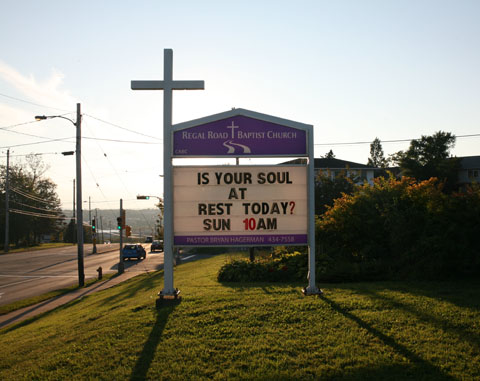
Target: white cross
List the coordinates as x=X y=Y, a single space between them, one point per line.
x=233 y=129
x=167 y=85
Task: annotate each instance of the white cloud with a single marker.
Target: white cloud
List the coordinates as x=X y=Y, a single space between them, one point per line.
x=47 y=92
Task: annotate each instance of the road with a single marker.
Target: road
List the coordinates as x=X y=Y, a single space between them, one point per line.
x=32 y=273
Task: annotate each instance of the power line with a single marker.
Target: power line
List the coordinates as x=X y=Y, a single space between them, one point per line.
x=33 y=207
x=389 y=141
x=32 y=103
x=30 y=196
x=119 y=141
x=35 y=154
x=122 y=128
x=34 y=143
x=39 y=215
x=18 y=124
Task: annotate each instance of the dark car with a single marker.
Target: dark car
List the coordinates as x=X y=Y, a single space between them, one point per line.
x=133 y=251
x=157 y=245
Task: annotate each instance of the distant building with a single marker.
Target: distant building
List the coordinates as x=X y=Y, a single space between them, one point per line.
x=334 y=167
x=469 y=171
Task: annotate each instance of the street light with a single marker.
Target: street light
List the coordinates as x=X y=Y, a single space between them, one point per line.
x=78 y=152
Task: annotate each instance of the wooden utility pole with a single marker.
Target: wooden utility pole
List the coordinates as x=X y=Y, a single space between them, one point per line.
x=7 y=191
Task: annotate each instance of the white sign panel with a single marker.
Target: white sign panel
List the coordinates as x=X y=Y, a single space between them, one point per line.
x=240 y=205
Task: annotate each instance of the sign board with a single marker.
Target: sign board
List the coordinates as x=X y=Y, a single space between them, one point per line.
x=240 y=136
x=240 y=205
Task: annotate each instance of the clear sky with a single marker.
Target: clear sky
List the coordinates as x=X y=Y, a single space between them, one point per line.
x=354 y=69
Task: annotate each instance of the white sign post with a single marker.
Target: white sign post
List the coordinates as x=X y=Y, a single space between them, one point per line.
x=167 y=85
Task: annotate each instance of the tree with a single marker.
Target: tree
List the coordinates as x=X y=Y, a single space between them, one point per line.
x=329 y=155
x=429 y=157
x=327 y=189
x=33 y=202
x=377 y=158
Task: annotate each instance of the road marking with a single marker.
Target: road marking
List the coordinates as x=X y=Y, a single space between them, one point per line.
x=190 y=256
x=1 y=293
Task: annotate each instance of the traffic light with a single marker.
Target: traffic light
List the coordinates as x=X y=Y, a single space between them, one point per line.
x=94 y=227
x=123 y=218
x=128 y=231
x=143 y=197
x=119 y=223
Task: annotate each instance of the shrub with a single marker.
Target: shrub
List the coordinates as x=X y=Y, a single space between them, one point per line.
x=399 y=229
x=278 y=267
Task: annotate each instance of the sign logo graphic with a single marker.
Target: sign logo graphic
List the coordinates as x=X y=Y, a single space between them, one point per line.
x=229 y=143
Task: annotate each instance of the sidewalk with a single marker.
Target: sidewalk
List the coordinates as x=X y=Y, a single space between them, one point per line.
x=48 y=305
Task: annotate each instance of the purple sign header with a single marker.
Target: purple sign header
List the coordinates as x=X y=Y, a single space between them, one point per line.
x=240 y=136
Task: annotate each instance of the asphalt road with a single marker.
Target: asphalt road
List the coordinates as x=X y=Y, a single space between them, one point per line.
x=27 y=274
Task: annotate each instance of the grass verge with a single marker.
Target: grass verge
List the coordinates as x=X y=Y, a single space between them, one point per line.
x=5 y=309
x=263 y=331
x=41 y=246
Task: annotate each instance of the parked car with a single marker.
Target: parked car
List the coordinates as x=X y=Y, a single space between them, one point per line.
x=133 y=251
x=156 y=245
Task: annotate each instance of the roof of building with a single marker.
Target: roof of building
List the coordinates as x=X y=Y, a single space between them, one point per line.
x=470 y=162
x=324 y=163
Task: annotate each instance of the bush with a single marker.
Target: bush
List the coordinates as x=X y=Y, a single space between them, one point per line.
x=277 y=267
x=400 y=229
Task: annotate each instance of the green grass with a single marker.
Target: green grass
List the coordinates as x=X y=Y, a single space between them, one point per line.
x=5 y=309
x=41 y=246
x=394 y=331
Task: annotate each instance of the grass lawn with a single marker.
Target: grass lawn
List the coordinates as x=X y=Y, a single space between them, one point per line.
x=41 y=246
x=394 y=331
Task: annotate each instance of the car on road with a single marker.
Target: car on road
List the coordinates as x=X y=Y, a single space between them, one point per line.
x=133 y=251
x=156 y=245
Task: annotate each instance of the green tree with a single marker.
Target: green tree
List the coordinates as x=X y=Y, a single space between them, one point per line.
x=329 y=155
x=429 y=157
x=33 y=202
x=327 y=189
x=377 y=156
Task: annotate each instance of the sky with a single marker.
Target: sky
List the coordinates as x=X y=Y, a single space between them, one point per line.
x=355 y=70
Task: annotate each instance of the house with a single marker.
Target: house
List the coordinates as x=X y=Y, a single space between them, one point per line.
x=469 y=171
x=333 y=167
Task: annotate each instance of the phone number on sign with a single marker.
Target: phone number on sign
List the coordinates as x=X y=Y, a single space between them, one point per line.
x=284 y=239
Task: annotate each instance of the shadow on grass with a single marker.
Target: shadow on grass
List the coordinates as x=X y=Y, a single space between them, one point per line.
x=462 y=293
x=145 y=359
x=422 y=369
x=443 y=324
x=69 y=295
x=133 y=286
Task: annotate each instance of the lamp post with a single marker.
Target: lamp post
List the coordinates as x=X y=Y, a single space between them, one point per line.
x=78 y=154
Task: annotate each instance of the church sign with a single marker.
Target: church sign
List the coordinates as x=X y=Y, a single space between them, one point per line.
x=240 y=136
x=233 y=205
x=240 y=205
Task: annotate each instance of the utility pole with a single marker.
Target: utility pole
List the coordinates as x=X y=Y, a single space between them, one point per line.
x=73 y=218
x=7 y=191
x=121 y=267
x=73 y=198
x=94 y=235
x=81 y=270
x=101 y=229
x=78 y=157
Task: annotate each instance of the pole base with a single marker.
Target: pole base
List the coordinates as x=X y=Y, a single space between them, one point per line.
x=168 y=299
x=311 y=291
